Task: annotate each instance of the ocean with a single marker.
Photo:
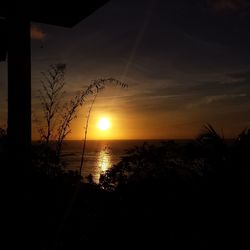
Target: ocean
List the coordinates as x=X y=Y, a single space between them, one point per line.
x=99 y=155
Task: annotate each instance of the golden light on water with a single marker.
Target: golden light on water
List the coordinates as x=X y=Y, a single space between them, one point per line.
x=104 y=161
x=104 y=123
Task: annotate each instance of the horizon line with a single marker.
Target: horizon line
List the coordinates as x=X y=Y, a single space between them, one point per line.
x=156 y=139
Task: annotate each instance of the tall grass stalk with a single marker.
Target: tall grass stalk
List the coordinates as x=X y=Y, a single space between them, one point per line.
x=93 y=89
x=86 y=133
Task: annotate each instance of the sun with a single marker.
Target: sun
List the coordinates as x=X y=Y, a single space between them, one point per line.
x=104 y=124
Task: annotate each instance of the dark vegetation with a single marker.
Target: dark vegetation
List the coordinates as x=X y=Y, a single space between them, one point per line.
x=165 y=196
x=58 y=113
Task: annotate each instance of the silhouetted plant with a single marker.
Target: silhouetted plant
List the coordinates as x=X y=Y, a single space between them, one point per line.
x=58 y=115
x=244 y=137
x=90 y=179
x=150 y=165
x=51 y=97
x=207 y=158
x=71 y=108
x=3 y=139
x=154 y=185
x=3 y=133
x=210 y=135
x=214 y=149
x=241 y=148
x=100 y=85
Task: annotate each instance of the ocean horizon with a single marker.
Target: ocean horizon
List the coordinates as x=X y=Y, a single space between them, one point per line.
x=100 y=155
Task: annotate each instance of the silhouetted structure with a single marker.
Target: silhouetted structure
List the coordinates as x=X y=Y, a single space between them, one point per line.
x=15 y=18
x=3 y=41
x=15 y=41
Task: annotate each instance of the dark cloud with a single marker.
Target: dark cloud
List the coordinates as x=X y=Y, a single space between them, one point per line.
x=240 y=78
x=240 y=75
x=234 y=5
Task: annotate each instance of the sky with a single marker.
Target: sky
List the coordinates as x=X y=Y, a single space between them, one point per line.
x=186 y=63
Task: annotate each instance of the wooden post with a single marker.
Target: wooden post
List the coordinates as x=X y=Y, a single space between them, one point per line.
x=19 y=130
x=19 y=90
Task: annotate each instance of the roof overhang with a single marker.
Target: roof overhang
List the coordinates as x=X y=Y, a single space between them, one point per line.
x=53 y=12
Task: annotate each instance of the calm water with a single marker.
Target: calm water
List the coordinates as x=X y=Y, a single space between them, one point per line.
x=99 y=156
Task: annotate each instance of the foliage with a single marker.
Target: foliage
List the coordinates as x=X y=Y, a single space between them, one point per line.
x=58 y=115
x=70 y=109
x=152 y=165
x=172 y=165
x=51 y=97
x=169 y=193
x=2 y=133
x=3 y=139
x=100 y=84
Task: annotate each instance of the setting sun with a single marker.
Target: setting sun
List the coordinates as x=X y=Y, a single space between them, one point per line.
x=104 y=124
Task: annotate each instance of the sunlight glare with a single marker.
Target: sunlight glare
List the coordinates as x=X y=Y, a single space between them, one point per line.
x=104 y=161
x=104 y=124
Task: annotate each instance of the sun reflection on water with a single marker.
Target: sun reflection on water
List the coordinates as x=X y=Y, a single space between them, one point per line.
x=104 y=160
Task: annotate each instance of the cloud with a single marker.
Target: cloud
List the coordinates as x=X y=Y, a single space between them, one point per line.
x=234 y=5
x=240 y=75
x=36 y=33
x=215 y=98
x=240 y=78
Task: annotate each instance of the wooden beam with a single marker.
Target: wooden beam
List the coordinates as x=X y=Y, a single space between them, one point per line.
x=3 y=40
x=19 y=90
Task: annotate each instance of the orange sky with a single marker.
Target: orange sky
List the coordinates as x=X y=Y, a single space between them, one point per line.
x=128 y=123
x=186 y=65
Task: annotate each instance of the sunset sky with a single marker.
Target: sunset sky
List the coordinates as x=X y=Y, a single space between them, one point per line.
x=186 y=63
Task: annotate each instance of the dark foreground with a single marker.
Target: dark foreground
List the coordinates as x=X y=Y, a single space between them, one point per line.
x=162 y=197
